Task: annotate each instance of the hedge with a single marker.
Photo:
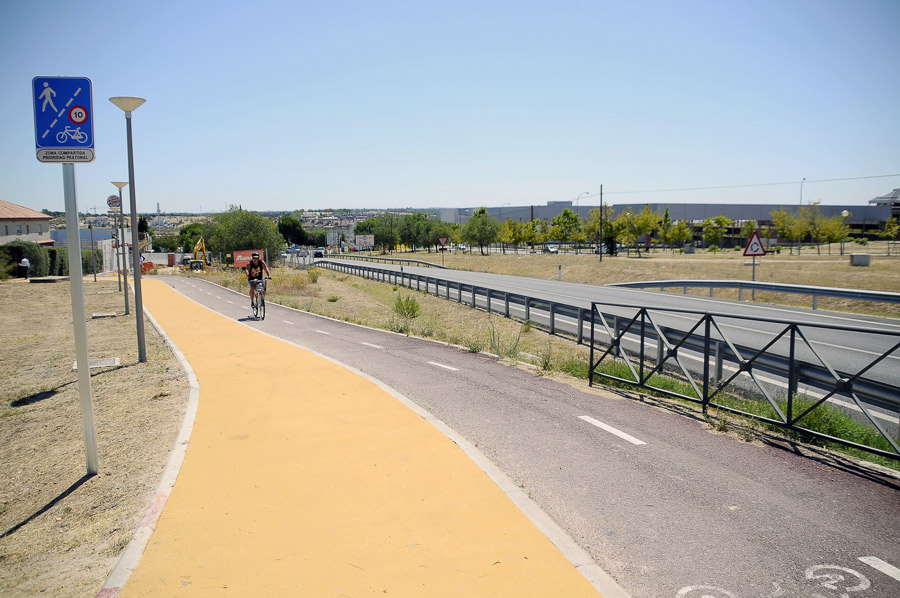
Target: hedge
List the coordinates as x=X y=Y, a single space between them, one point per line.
x=45 y=261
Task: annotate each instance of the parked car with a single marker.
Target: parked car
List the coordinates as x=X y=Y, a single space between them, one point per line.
x=551 y=249
x=319 y=252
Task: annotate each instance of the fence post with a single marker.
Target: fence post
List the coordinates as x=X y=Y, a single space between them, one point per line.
x=591 y=358
x=643 y=342
x=487 y=294
x=705 y=397
x=717 y=377
x=659 y=352
x=506 y=304
x=527 y=309
x=580 y=325
x=815 y=301
x=552 y=319
x=473 y=296
x=740 y=292
x=793 y=377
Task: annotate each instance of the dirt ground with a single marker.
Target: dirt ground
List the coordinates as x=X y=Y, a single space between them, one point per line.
x=60 y=531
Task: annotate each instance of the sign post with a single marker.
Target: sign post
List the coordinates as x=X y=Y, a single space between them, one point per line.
x=443 y=243
x=754 y=248
x=64 y=133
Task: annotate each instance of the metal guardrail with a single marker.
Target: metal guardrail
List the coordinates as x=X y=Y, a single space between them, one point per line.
x=708 y=338
x=716 y=353
x=386 y=260
x=741 y=285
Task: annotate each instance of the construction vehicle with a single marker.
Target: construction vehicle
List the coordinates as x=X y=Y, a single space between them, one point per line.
x=201 y=257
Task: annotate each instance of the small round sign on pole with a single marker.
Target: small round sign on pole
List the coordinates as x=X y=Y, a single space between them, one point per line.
x=113 y=201
x=78 y=114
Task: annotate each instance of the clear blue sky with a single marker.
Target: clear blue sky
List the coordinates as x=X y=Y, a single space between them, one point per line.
x=288 y=105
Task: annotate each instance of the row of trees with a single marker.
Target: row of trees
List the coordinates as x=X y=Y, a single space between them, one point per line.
x=239 y=229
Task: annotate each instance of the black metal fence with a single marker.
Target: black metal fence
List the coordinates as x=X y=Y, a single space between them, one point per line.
x=760 y=379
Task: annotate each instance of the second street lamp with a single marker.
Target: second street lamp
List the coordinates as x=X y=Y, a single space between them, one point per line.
x=120 y=185
x=128 y=105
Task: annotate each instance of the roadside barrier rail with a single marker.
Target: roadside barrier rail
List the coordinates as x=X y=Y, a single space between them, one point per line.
x=776 y=287
x=386 y=260
x=789 y=356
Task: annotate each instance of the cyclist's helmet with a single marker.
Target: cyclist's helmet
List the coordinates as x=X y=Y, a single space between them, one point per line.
x=255 y=255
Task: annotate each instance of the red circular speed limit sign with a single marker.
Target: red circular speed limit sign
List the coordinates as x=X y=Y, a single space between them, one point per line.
x=78 y=114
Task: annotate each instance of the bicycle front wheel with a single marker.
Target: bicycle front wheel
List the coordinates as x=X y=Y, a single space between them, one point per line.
x=255 y=306
x=262 y=307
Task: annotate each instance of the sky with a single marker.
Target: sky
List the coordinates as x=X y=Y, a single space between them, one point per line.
x=321 y=105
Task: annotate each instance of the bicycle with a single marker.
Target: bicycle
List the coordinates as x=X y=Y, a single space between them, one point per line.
x=75 y=134
x=259 y=299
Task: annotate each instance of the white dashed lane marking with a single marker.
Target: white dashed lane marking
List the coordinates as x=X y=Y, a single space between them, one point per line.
x=323 y=332
x=611 y=430
x=886 y=568
x=373 y=346
x=441 y=365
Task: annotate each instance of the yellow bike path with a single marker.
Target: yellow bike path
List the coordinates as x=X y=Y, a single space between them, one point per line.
x=303 y=478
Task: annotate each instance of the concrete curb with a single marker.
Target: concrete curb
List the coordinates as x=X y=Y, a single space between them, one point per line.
x=135 y=549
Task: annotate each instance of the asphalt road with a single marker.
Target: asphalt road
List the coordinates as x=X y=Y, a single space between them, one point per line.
x=845 y=350
x=687 y=512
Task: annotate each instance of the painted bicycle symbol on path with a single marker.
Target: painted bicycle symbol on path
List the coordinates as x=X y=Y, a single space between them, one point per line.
x=831 y=581
x=75 y=134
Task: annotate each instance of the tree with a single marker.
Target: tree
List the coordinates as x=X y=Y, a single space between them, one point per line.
x=681 y=233
x=748 y=229
x=292 y=230
x=481 y=229
x=812 y=220
x=238 y=229
x=511 y=234
x=436 y=230
x=714 y=229
x=832 y=231
x=169 y=242
x=413 y=230
x=665 y=228
x=530 y=232
x=143 y=225
x=385 y=228
x=189 y=235
x=565 y=226
x=890 y=232
x=785 y=225
x=630 y=226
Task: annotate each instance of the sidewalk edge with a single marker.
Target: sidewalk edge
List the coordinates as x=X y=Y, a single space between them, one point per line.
x=135 y=549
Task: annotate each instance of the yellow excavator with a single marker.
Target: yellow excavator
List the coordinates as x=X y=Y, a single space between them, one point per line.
x=201 y=257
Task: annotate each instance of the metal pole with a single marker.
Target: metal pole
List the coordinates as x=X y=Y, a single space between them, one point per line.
x=135 y=249
x=602 y=240
x=124 y=254
x=118 y=250
x=80 y=324
x=93 y=255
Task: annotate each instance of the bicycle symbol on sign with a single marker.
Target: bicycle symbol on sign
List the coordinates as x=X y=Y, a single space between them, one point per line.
x=75 y=134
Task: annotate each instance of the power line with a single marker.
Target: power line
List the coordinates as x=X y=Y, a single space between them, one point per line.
x=856 y=178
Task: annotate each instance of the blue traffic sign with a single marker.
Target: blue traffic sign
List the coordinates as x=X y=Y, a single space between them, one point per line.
x=63 y=119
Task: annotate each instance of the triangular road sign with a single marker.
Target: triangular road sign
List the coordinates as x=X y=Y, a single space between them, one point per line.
x=754 y=246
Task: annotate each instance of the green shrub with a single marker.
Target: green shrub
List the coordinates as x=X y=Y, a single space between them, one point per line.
x=333 y=299
x=713 y=248
x=16 y=250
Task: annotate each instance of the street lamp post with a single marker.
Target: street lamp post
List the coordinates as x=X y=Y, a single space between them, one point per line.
x=120 y=185
x=801 y=190
x=93 y=254
x=844 y=215
x=602 y=240
x=128 y=105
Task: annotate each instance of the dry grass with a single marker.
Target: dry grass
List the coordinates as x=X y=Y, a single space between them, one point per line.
x=805 y=269
x=61 y=534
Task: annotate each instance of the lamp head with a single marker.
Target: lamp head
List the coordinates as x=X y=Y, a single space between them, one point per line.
x=120 y=184
x=127 y=104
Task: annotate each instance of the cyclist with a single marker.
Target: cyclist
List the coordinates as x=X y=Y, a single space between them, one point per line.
x=254 y=269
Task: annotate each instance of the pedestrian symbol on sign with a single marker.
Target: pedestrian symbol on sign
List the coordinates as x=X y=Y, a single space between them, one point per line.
x=46 y=96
